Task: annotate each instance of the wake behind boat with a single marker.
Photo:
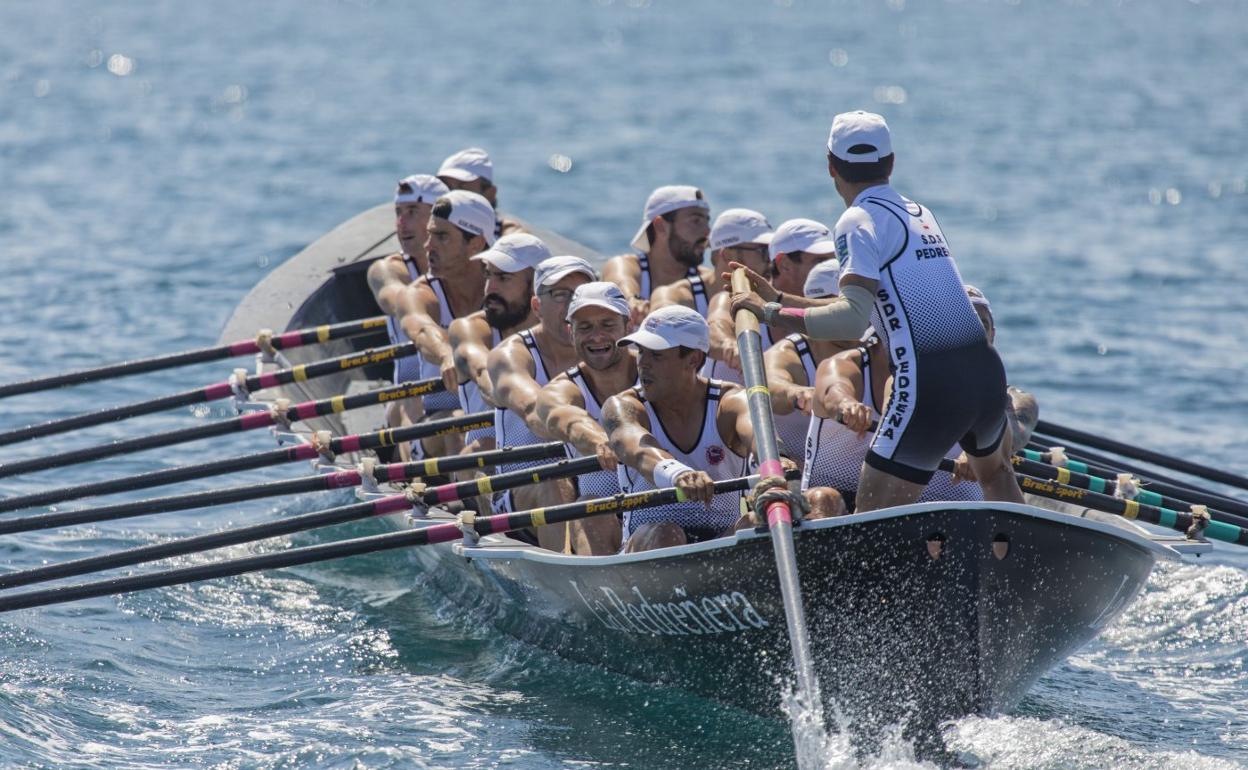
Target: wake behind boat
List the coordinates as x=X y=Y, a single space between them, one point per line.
x=917 y=614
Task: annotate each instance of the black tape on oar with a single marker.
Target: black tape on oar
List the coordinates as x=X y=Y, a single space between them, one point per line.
x=1143 y=455
x=285 y=341
x=438 y=533
x=389 y=504
x=251 y=421
x=208 y=393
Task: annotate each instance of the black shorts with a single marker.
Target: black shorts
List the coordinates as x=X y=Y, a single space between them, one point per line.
x=952 y=397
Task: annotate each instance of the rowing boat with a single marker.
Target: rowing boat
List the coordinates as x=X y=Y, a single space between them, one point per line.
x=917 y=613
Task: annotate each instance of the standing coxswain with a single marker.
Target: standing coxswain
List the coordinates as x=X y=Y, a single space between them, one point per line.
x=570 y=407
x=522 y=364
x=461 y=226
x=669 y=246
x=949 y=384
x=508 y=308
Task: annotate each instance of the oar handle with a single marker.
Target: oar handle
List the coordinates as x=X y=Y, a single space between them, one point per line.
x=285 y=341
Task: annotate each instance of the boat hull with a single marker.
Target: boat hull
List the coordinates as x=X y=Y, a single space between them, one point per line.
x=897 y=635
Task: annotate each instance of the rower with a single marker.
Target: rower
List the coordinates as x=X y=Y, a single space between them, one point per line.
x=669 y=248
x=507 y=309
x=950 y=383
x=387 y=277
x=462 y=225
x=471 y=169
x=739 y=235
x=570 y=406
x=791 y=364
x=521 y=365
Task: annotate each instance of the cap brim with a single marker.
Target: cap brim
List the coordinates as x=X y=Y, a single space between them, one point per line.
x=504 y=262
x=458 y=173
x=764 y=238
x=645 y=339
x=821 y=247
x=640 y=241
x=602 y=303
x=559 y=275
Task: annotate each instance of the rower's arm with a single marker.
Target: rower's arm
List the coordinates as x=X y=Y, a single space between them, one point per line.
x=515 y=389
x=733 y=421
x=387 y=282
x=562 y=409
x=628 y=429
x=419 y=308
x=625 y=271
x=838 y=380
x=471 y=355
x=783 y=365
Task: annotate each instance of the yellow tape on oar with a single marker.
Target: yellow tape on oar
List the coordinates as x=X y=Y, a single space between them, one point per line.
x=484 y=487
x=322 y=334
x=538 y=517
x=338 y=403
x=300 y=373
x=1063 y=475
x=431 y=467
x=1131 y=509
x=758 y=389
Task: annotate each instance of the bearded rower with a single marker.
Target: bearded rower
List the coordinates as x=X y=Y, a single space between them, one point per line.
x=461 y=226
x=570 y=406
x=738 y=235
x=471 y=169
x=950 y=383
x=507 y=309
x=522 y=364
x=388 y=276
x=669 y=246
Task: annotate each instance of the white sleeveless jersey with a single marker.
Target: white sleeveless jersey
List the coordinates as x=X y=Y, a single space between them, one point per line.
x=472 y=401
x=791 y=428
x=510 y=429
x=406 y=368
x=708 y=454
x=438 y=402
x=834 y=453
x=598 y=483
x=701 y=301
x=921 y=305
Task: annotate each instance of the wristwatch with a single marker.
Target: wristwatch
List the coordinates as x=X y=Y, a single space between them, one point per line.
x=769 y=312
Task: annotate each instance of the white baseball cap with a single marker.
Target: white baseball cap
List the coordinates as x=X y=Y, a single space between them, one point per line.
x=859 y=137
x=599 y=294
x=801 y=235
x=468 y=166
x=472 y=213
x=977 y=298
x=551 y=271
x=670 y=327
x=823 y=280
x=419 y=188
x=665 y=200
x=736 y=226
x=515 y=252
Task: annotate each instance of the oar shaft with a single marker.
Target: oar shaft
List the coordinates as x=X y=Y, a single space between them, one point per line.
x=302 y=485
x=244 y=422
x=299 y=452
x=286 y=341
x=207 y=393
x=779 y=517
x=437 y=533
x=1143 y=455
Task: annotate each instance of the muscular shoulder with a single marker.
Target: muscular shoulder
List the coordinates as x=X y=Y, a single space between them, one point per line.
x=679 y=293
x=471 y=328
x=621 y=266
x=562 y=390
x=511 y=355
x=511 y=225
x=624 y=409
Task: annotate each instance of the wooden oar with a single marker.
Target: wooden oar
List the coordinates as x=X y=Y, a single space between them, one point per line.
x=1180 y=521
x=438 y=533
x=1110 y=487
x=338 y=515
x=321 y=482
x=286 y=341
x=779 y=517
x=213 y=392
x=1084 y=461
x=1063 y=433
x=296 y=453
x=252 y=421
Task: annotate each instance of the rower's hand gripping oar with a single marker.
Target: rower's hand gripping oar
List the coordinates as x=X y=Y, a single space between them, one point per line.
x=299 y=452
x=438 y=533
x=415 y=496
x=213 y=392
x=779 y=515
x=252 y=421
x=263 y=341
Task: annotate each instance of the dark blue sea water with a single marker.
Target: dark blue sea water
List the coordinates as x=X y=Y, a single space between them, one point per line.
x=1087 y=161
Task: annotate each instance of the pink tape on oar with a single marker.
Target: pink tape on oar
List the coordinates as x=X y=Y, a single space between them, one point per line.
x=219 y=390
x=394 y=472
x=288 y=339
x=269 y=380
x=771 y=468
x=779 y=513
x=349 y=444
x=306 y=410
x=447 y=494
x=391 y=504
x=244 y=347
x=343 y=479
x=256 y=420
x=305 y=452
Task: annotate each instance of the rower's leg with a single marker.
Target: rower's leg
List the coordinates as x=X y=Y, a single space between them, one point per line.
x=996 y=475
x=877 y=489
x=552 y=536
x=595 y=536
x=663 y=534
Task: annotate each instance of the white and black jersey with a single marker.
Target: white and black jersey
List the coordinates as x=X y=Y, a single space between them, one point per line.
x=473 y=401
x=701 y=300
x=511 y=430
x=598 y=483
